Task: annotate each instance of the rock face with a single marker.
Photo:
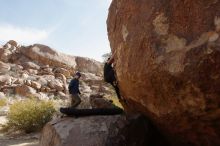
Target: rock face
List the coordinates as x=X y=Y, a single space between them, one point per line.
x=98 y=131
x=167 y=61
x=89 y=65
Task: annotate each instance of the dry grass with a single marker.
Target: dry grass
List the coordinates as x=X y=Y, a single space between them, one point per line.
x=3 y=102
x=30 y=115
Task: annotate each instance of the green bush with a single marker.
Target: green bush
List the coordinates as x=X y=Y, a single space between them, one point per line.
x=30 y=115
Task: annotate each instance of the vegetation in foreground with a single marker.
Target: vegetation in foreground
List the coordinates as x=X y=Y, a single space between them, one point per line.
x=30 y=115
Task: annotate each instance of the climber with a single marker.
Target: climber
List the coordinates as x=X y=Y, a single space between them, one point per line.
x=74 y=90
x=109 y=75
x=75 y=101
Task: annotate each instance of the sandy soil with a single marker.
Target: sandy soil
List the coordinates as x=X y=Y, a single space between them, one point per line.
x=17 y=139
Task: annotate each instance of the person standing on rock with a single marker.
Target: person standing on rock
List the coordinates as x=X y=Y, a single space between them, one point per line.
x=109 y=75
x=74 y=90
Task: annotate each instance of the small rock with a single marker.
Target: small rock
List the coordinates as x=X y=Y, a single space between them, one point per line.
x=100 y=103
x=61 y=93
x=19 y=81
x=25 y=90
x=16 y=68
x=12 y=43
x=31 y=65
x=56 y=84
x=28 y=82
x=35 y=85
x=5 y=54
x=63 y=71
x=4 y=68
x=51 y=96
x=47 y=89
x=42 y=81
x=213 y=36
x=5 y=80
x=41 y=96
x=7 y=46
x=2 y=95
x=24 y=75
x=32 y=71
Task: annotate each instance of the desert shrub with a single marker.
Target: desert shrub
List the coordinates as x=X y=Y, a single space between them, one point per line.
x=3 y=102
x=30 y=115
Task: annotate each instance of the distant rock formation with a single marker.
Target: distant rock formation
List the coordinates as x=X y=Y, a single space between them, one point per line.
x=167 y=60
x=39 y=71
x=45 y=55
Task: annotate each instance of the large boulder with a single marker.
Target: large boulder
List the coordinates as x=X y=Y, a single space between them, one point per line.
x=98 y=101
x=89 y=65
x=167 y=61
x=98 y=131
x=47 y=56
x=56 y=84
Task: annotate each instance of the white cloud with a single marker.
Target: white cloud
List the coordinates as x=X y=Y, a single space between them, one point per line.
x=23 y=35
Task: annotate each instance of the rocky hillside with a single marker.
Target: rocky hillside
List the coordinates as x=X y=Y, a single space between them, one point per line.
x=167 y=60
x=39 y=71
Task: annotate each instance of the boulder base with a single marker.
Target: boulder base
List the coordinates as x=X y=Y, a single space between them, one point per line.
x=99 y=131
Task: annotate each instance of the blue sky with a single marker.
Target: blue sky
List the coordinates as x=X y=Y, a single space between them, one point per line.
x=76 y=27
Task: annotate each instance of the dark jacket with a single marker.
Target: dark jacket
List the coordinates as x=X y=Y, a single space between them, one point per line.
x=74 y=86
x=109 y=74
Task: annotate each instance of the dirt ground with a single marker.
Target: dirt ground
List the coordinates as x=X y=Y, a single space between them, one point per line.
x=17 y=139
x=19 y=142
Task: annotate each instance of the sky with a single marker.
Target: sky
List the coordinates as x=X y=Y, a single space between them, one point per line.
x=74 y=27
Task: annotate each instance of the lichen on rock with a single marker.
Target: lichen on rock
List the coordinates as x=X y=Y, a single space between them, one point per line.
x=169 y=67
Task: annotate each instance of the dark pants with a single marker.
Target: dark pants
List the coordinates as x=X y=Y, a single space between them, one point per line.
x=115 y=86
x=75 y=100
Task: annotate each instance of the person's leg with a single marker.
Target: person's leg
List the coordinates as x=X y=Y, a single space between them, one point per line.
x=76 y=100
x=116 y=89
x=73 y=100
